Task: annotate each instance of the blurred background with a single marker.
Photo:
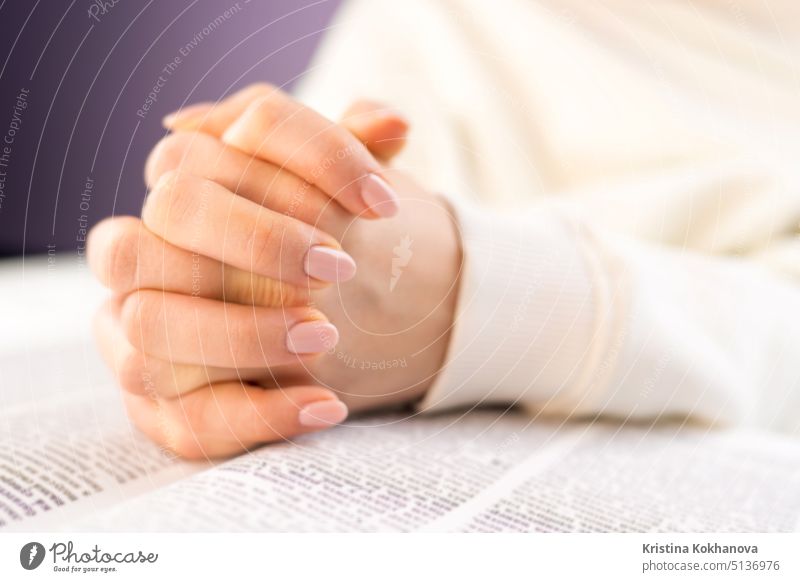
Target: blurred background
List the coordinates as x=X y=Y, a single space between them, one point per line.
x=85 y=84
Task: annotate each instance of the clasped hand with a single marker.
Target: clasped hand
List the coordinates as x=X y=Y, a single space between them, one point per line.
x=281 y=276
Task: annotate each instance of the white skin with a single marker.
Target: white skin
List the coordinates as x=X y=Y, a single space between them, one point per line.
x=208 y=282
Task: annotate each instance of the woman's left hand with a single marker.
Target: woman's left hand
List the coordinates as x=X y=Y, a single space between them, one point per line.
x=207 y=350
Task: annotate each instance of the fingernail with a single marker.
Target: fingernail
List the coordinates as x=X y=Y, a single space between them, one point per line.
x=379 y=196
x=311 y=337
x=185 y=113
x=323 y=413
x=328 y=264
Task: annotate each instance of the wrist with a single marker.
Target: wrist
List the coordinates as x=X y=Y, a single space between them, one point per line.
x=437 y=280
x=395 y=316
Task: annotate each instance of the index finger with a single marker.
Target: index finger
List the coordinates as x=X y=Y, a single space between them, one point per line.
x=278 y=129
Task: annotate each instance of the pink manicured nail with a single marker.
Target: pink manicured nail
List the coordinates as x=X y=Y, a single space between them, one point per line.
x=327 y=264
x=186 y=113
x=379 y=196
x=324 y=413
x=311 y=337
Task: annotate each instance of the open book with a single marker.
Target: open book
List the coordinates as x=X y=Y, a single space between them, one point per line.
x=69 y=459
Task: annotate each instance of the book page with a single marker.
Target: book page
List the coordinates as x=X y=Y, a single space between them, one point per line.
x=381 y=474
x=67 y=449
x=639 y=480
x=487 y=471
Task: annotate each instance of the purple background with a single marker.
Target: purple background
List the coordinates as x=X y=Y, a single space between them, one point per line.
x=94 y=74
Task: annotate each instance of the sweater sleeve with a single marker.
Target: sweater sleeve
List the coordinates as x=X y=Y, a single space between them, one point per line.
x=578 y=314
x=562 y=318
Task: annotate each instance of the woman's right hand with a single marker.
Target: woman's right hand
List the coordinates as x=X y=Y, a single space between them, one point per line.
x=277 y=218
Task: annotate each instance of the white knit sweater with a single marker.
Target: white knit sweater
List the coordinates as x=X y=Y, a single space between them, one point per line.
x=650 y=151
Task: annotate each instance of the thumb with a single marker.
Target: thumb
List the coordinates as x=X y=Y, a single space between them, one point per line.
x=379 y=127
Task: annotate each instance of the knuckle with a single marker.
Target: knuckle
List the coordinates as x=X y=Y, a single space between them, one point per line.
x=185 y=434
x=180 y=150
x=181 y=439
x=337 y=151
x=264 y=246
x=142 y=314
x=132 y=373
x=112 y=249
x=245 y=343
x=165 y=156
x=266 y=113
x=140 y=413
x=175 y=199
x=333 y=147
x=123 y=258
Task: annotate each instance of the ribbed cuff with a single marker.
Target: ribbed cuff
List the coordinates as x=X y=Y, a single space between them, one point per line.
x=526 y=314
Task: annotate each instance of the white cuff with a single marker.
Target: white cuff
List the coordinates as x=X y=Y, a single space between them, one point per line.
x=526 y=319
